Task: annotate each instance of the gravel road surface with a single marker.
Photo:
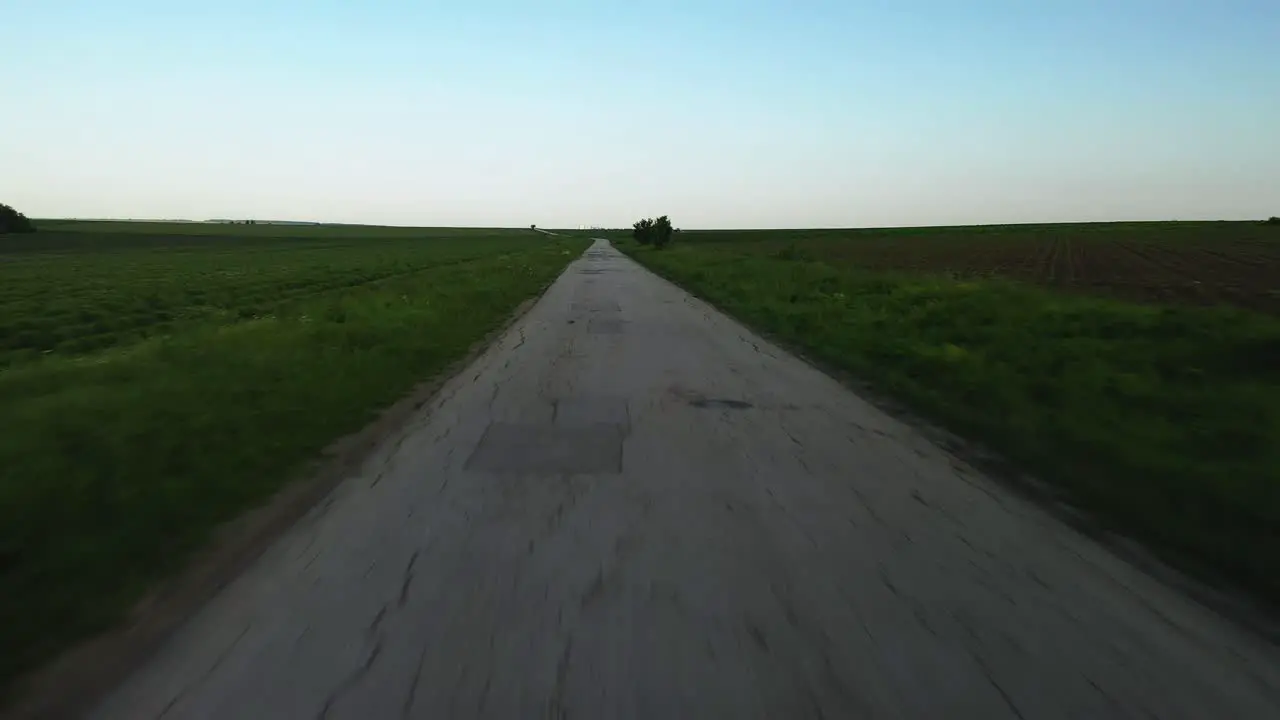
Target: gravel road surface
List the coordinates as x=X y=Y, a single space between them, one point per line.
x=632 y=507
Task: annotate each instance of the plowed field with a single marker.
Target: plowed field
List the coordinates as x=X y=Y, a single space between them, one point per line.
x=1234 y=263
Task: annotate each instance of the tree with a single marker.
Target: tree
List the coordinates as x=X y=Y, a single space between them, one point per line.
x=642 y=231
x=12 y=221
x=662 y=232
x=533 y=226
x=1273 y=220
x=653 y=232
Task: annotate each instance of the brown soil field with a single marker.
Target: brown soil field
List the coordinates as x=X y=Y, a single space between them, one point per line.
x=1204 y=263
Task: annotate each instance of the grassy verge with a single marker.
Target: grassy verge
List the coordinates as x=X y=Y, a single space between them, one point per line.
x=115 y=466
x=1163 y=421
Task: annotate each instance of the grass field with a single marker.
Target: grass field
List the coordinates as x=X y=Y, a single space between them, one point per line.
x=155 y=384
x=73 y=292
x=1160 y=416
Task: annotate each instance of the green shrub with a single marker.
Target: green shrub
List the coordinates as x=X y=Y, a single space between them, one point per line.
x=12 y=221
x=653 y=232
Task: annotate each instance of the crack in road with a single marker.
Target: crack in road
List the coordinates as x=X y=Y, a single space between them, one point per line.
x=217 y=663
x=407 y=582
x=407 y=708
x=352 y=680
x=556 y=705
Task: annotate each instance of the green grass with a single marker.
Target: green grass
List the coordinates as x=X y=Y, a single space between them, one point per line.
x=218 y=370
x=1164 y=421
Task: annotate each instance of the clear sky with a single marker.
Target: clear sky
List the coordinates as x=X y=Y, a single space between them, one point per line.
x=795 y=113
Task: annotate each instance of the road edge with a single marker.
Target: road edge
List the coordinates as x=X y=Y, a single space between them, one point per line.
x=73 y=682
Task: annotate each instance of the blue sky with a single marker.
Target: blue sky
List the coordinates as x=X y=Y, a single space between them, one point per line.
x=566 y=112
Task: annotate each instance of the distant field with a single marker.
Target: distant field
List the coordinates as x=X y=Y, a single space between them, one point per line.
x=69 y=292
x=154 y=386
x=181 y=229
x=1161 y=416
x=1205 y=263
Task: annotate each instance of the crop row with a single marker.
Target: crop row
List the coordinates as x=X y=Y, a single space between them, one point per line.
x=1196 y=263
x=63 y=303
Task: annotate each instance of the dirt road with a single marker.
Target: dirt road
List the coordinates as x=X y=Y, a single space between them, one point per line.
x=631 y=507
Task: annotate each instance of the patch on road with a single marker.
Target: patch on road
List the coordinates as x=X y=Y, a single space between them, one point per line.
x=605 y=327
x=698 y=400
x=593 y=410
x=548 y=450
x=595 y=306
x=721 y=403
